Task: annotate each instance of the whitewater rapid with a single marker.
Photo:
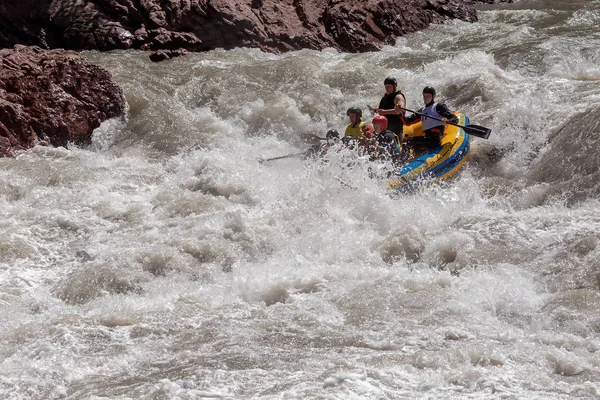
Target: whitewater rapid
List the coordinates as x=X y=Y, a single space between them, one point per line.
x=166 y=262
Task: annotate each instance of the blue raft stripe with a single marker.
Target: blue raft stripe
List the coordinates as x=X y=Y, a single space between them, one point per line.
x=439 y=170
x=443 y=167
x=451 y=162
x=423 y=158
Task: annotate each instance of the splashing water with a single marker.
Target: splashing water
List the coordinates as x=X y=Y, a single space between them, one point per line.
x=164 y=261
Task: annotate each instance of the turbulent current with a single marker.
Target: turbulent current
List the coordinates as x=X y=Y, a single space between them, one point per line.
x=166 y=262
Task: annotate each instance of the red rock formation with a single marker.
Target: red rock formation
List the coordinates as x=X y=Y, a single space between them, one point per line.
x=23 y=22
x=197 y=25
x=53 y=96
x=161 y=55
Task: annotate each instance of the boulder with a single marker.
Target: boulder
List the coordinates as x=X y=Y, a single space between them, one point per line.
x=161 y=55
x=52 y=96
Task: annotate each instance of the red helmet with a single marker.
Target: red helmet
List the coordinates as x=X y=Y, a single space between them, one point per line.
x=381 y=121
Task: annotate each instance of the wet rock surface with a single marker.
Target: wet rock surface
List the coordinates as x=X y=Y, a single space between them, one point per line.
x=52 y=96
x=199 y=25
x=161 y=55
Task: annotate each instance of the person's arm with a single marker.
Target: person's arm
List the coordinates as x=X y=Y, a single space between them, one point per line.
x=399 y=100
x=447 y=115
x=413 y=119
x=391 y=111
x=313 y=151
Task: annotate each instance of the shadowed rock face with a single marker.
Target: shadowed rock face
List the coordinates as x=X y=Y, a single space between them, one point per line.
x=52 y=96
x=198 y=25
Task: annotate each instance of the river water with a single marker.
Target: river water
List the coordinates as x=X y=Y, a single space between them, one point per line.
x=166 y=262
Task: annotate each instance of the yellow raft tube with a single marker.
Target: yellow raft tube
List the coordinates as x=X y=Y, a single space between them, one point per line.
x=436 y=164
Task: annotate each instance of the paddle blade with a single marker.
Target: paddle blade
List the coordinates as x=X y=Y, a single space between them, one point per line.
x=479 y=131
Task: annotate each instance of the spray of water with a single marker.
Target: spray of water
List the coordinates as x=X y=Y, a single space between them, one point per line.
x=165 y=261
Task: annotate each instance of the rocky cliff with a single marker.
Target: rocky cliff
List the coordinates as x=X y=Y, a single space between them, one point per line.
x=56 y=97
x=198 y=25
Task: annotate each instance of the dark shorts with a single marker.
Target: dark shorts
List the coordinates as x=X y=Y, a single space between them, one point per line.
x=432 y=139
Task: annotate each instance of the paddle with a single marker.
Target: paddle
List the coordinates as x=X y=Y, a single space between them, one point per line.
x=262 y=160
x=475 y=130
x=312 y=150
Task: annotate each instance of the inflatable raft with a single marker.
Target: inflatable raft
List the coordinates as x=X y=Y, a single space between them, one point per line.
x=436 y=164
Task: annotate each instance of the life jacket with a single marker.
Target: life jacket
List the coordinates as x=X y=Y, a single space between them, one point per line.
x=355 y=130
x=393 y=147
x=394 y=121
x=430 y=110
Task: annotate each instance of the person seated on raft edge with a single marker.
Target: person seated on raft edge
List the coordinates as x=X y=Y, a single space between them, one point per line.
x=432 y=128
x=380 y=143
x=355 y=127
x=319 y=150
x=388 y=103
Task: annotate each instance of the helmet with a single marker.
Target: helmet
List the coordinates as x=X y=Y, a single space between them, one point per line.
x=332 y=134
x=381 y=121
x=368 y=130
x=354 y=110
x=390 y=81
x=429 y=89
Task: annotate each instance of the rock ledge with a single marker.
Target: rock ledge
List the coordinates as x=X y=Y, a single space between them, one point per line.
x=52 y=97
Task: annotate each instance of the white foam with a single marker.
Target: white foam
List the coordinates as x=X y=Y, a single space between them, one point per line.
x=166 y=261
